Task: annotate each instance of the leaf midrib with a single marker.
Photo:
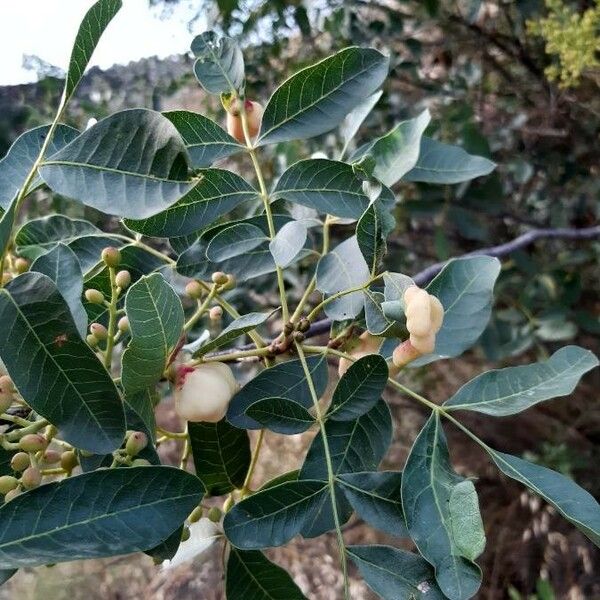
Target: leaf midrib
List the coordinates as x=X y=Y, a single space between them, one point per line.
x=81 y=165
x=21 y=540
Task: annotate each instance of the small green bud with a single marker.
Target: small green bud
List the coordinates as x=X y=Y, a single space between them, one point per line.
x=196 y=514
x=111 y=257
x=214 y=514
x=21 y=265
x=298 y=336
x=219 y=278
x=94 y=296
x=141 y=462
x=194 y=290
x=98 y=331
x=123 y=324
x=123 y=279
x=68 y=460
x=92 y=340
x=31 y=478
x=185 y=534
x=288 y=328
x=136 y=442
x=33 y=442
x=8 y=483
x=12 y=494
x=304 y=325
x=20 y=461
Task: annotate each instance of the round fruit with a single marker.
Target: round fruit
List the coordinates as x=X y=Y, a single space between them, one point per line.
x=33 y=442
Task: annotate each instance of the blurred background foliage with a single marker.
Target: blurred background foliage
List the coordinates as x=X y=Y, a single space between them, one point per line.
x=515 y=81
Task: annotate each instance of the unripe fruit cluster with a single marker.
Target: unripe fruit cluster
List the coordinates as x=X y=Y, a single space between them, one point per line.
x=204 y=393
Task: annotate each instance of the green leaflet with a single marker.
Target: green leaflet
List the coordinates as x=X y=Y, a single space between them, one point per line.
x=464 y=286
x=395 y=574
x=428 y=482
x=397 y=152
x=511 y=390
x=156 y=322
x=274 y=515
x=252 y=576
x=39 y=236
x=91 y=29
x=206 y=141
x=359 y=388
x=38 y=343
x=328 y=186
x=131 y=164
x=235 y=329
x=447 y=164
x=341 y=269
x=281 y=415
x=104 y=513
x=21 y=156
x=572 y=502
x=376 y=497
x=62 y=266
x=219 y=65
x=284 y=380
x=221 y=455
x=316 y=99
x=215 y=193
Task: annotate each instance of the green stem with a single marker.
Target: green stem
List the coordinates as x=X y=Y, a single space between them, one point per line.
x=112 y=319
x=259 y=442
x=202 y=306
x=31 y=428
x=14 y=419
x=313 y=282
x=329 y=463
x=231 y=356
x=231 y=310
x=317 y=309
x=264 y=194
x=187 y=448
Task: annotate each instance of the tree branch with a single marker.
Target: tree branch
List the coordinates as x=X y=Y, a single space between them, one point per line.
x=425 y=276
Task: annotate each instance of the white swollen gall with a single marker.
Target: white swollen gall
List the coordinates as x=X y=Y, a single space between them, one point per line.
x=418 y=311
x=204 y=392
x=254 y=111
x=423 y=343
